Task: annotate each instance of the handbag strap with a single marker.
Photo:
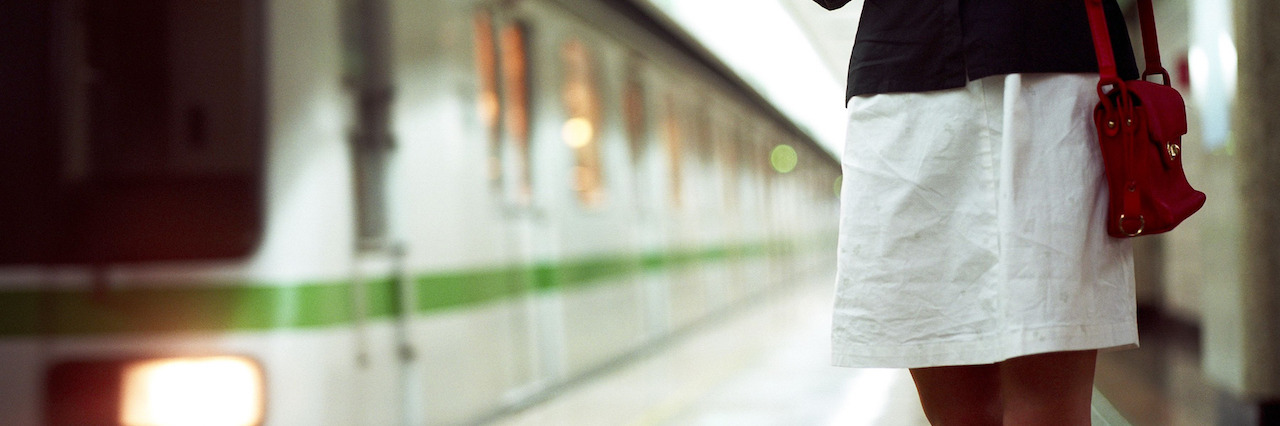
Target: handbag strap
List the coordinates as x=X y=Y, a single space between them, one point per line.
x=1150 y=44
x=1102 y=41
x=1109 y=77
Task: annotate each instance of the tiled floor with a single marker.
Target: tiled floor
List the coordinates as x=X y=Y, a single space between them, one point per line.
x=1161 y=383
x=765 y=364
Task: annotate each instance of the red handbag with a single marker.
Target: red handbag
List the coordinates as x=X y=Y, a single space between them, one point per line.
x=1140 y=126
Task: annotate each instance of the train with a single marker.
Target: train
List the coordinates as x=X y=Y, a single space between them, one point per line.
x=373 y=212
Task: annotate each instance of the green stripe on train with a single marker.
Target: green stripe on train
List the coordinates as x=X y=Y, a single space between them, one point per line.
x=315 y=304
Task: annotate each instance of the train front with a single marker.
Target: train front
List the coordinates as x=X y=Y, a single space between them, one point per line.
x=240 y=212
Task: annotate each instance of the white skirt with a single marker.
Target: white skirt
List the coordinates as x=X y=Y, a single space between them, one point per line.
x=971 y=228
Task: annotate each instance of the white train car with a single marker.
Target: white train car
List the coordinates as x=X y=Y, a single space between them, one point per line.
x=371 y=212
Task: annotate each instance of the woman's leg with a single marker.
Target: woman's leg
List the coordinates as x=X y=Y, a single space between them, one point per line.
x=1044 y=389
x=1048 y=389
x=966 y=395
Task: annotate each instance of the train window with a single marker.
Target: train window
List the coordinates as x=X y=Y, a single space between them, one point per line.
x=581 y=129
x=136 y=132
x=515 y=89
x=503 y=104
x=675 y=152
x=702 y=117
x=636 y=119
x=636 y=115
x=760 y=157
x=487 y=103
x=731 y=137
x=747 y=135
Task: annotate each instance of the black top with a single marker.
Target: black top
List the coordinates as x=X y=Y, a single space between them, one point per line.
x=923 y=45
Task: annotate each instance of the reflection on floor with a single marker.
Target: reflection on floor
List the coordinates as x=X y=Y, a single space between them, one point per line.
x=765 y=364
x=1160 y=383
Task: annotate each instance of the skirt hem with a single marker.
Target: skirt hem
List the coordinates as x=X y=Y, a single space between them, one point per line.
x=990 y=349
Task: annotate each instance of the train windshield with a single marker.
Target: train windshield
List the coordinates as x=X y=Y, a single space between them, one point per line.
x=131 y=130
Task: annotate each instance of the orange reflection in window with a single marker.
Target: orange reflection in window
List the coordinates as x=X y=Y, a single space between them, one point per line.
x=515 y=84
x=636 y=119
x=634 y=111
x=487 y=101
x=675 y=154
x=581 y=129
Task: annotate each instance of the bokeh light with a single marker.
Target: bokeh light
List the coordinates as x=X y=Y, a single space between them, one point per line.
x=784 y=158
x=577 y=132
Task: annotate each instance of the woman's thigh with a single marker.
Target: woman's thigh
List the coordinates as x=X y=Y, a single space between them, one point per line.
x=1044 y=389
x=960 y=395
x=1048 y=389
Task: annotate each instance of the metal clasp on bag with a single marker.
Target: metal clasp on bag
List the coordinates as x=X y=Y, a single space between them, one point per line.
x=1118 y=109
x=1142 y=224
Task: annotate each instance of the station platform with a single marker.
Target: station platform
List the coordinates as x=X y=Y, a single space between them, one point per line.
x=762 y=364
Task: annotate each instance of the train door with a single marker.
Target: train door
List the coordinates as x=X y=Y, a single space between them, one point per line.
x=503 y=63
x=641 y=122
x=380 y=285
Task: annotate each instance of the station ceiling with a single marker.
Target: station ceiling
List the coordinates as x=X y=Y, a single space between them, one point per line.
x=779 y=49
x=794 y=52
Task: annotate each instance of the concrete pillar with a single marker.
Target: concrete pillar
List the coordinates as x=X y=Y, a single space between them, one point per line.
x=1257 y=123
x=1256 y=128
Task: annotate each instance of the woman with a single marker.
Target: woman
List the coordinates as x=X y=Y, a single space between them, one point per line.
x=972 y=243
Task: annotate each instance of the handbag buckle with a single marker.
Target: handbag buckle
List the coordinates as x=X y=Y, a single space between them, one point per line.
x=1142 y=224
x=1164 y=75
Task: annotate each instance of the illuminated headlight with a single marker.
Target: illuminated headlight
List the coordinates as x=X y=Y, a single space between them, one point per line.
x=187 y=391
x=192 y=391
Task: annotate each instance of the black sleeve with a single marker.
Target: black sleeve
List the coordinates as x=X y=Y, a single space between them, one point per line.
x=832 y=4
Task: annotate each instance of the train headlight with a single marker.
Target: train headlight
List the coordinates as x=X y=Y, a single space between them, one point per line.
x=210 y=391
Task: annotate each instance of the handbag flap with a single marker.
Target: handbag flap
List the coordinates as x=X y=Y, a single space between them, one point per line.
x=1166 y=111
